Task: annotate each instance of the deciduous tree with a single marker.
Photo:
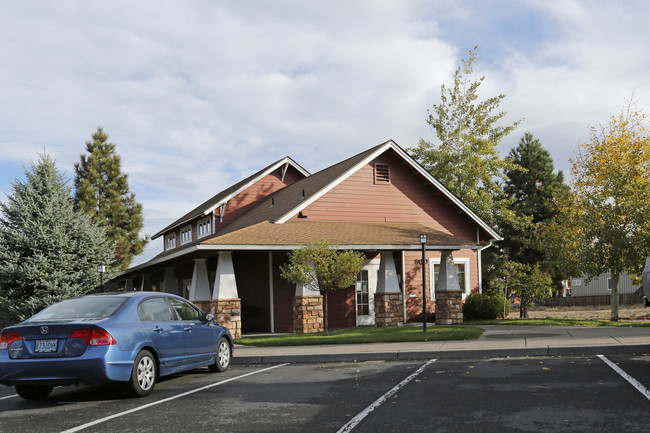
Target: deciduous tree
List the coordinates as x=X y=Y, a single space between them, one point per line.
x=321 y=267
x=466 y=159
x=523 y=282
x=604 y=224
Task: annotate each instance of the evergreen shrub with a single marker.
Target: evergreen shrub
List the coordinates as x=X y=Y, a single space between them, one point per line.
x=480 y=306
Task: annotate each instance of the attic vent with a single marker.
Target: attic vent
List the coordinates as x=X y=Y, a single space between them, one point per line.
x=382 y=174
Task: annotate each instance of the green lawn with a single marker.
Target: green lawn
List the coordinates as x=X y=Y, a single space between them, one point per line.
x=367 y=335
x=558 y=322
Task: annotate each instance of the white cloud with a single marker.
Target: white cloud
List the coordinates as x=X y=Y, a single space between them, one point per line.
x=199 y=95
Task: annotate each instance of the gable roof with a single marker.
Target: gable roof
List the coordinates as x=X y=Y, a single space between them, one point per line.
x=279 y=207
x=228 y=193
x=289 y=198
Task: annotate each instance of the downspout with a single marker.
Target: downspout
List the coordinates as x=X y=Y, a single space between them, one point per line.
x=480 y=263
x=271 y=292
x=480 y=267
x=403 y=289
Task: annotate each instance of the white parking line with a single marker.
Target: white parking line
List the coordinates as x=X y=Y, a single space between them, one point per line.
x=126 y=412
x=635 y=383
x=364 y=413
x=8 y=396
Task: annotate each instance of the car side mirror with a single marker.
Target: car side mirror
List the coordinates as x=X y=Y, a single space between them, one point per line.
x=209 y=317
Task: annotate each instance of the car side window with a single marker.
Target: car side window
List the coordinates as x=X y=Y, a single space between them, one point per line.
x=154 y=310
x=185 y=310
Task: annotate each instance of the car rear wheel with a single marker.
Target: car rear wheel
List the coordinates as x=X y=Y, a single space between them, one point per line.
x=33 y=392
x=143 y=376
x=224 y=355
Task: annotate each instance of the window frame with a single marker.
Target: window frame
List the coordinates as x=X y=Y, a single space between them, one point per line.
x=202 y=223
x=186 y=235
x=170 y=241
x=465 y=261
x=172 y=317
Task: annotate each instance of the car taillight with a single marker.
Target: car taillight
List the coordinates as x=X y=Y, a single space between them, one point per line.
x=8 y=338
x=94 y=337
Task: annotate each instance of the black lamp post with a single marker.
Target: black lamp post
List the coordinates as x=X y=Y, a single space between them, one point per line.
x=101 y=269
x=423 y=242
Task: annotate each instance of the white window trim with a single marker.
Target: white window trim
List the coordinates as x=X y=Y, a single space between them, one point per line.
x=203 y=221
x=170 y=237
x=186 y=229
x=457 y=261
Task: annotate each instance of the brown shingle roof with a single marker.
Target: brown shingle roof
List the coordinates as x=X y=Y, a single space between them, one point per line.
x=215 y=200
x=291 y=196
x=348 y=234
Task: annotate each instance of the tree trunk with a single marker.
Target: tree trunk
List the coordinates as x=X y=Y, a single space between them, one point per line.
x=523 y=309
x=325 y=324
x=615 y=278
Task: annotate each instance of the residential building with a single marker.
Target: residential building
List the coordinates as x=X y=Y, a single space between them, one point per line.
x=225 y=254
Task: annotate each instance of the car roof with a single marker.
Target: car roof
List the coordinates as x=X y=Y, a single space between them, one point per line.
x=135 y=294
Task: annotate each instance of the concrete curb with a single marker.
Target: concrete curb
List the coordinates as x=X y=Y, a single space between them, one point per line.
x=633 y=349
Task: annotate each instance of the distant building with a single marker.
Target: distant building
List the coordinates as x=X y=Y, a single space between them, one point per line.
x=597 y=291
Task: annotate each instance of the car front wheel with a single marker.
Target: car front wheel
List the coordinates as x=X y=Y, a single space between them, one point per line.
x=143 y=376
x=223 y=356
x=33 y=392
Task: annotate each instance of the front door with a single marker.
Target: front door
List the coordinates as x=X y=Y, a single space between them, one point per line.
x=365 y=288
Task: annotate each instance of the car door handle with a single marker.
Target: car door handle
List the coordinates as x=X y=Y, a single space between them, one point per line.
x=157 y=329
x=188 y=329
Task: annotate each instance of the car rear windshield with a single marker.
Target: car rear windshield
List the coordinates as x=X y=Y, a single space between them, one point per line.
x=95 y=307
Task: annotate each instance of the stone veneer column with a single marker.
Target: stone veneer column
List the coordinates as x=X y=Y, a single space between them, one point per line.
x=389 y=309
x=449 y=296
x=227 y=312
x=389 y=305
x=308 y=314
x=449 y=307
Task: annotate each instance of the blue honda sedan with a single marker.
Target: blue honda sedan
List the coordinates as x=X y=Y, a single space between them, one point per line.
x=130 y=337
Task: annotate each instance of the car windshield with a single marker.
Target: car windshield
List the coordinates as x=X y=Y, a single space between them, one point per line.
x=92 y=307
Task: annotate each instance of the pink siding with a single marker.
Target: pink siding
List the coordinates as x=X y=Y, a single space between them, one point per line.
x=413 y=280
x=251 y=196
x=407 y=199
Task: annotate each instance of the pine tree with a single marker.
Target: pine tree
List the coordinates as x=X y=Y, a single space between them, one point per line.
x=534 y=191
x=102 y=191
x=48 y=251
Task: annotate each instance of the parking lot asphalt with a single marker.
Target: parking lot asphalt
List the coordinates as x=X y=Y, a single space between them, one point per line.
x=496 y=341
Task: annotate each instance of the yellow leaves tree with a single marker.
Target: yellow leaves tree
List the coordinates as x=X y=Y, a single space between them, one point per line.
x=605 y=222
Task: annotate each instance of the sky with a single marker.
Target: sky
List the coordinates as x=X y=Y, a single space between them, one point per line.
x=197 y=95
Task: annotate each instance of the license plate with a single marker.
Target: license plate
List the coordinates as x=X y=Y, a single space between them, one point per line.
x=46 y=346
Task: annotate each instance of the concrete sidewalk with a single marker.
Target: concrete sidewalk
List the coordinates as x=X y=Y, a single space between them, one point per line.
x=497 y=341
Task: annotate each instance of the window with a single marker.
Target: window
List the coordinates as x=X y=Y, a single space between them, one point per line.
x=462 y=271
x=186 y=235
x=170 y=241
x=205 y=227
x=185 y=310
x=154 y=310
x=382 y=174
